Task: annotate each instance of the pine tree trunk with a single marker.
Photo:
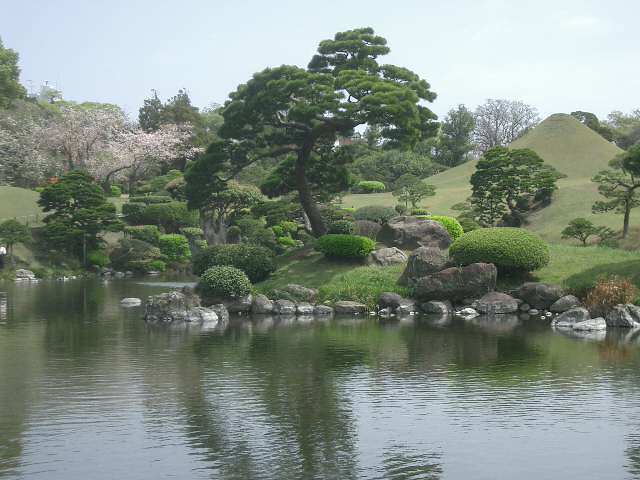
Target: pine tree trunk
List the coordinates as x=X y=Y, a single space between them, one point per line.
x=309 y=205
x=627 y=214
x=214 y=229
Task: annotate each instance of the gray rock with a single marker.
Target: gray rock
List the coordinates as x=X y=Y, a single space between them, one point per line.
x=349 y=308
x=409 y=232
x=533 y=311
x=23 y=275
x=467 y=313
x=180 y=308
x=304 y=308
x=385 y=312
x=240 y=304
x=131 y=302
x=564 y=303
x=406 y=308
x=539 y=295
x=301 y=293
x=437 y=307
x=386 y=256
x=524 y=307
x=423 y=261
x=457 y=283
x=625 y=316
x=571 y=317
x=593 y=324
x=261 y=305
x=497 y=302
x=128 y=273
x=322 y=310
x=390 y=299
x=284 y=307
x=119 y=275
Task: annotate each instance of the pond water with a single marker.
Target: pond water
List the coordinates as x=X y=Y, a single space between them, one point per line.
x=87 y=391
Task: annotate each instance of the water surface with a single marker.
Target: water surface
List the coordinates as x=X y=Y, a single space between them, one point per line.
x=87 y=391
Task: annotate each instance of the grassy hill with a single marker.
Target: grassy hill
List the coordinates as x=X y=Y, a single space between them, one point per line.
x=561 y=141
x=19 y=203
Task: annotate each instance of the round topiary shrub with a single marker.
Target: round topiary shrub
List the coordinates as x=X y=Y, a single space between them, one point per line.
x=375 y=213
x=344 y=227
x=224 y=281
x=509 y=249
x=256 y=262
x=451 y=224
x=146 y=233
x=175 y=247
x=115 y=191
x=345 y=246
x=369 y=186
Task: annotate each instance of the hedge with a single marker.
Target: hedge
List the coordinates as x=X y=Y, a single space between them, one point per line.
x=369 y=186
x=255 y=261
x=175 y=247
x=451 y=224
x=170 y=217
x=509 y=249
x=224 y=281
x=345 y=246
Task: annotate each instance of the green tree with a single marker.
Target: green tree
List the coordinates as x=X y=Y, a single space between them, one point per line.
x=455 y=141
x=297 y=115
x=150 y=114
x=10 y=87
x=411 y=190
x=620 y=186
x=12 y=232
x=387 y=166
x=79 y=213
x=581 y=229
x=626 y=128
x=506 y=181
x=591 y=121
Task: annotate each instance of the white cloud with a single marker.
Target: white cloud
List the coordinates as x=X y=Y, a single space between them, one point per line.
x=582 y=22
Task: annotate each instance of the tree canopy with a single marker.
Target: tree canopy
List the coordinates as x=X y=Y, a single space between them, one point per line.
x=10 y=87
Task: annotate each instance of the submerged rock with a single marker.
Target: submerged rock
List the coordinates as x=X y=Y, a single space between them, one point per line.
x=410 y=232
x=386 y=256
x=423 y=261
x=497 y=302
x=540 y=296
x=457 y=283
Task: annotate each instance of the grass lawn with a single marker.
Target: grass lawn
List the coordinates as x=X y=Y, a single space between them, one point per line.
x=21 y=204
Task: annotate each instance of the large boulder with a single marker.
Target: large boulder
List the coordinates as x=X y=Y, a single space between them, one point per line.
x=457 y=283
x=424 y=261
x=386 y=256
x=540 y=295
x=284 y=307
x=437 y=307
x=261 y=305
x=322 y=310
x=23 y=275
x=297 y=293
x=240 y=304
x=564 y=303
x=496 y=302
x=390 y=299
x=411 y=232
x=571 y=317
x=349 y=308
x=179 y=308
x=626 y=316
x=304 y=308
x=591 y=325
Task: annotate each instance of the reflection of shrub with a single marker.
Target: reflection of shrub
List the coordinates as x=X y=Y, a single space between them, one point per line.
x=146 y=233
x=366 y=228
x=345 y=246
x=345 y=227
x=224 y=281
x=375 y=213
x=175 y=247
x=369 y=186
x=449 y=223
x=609 y=292
x=509 y=249
x=255 y=261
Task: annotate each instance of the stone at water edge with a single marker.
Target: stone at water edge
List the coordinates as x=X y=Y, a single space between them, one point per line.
x=571 y=317
x=525 y=307
x=410 y=232
x=390 y=299
x=437 y=307
x=467 y=313
x=304 y=308
x=131 y=302
x=386 y=256
x=261 y=305
x=349 y=308
x=457 y=283
x=533 y=311
x=593 y=324
x=322 y=310
x=407 y=308
x=178 y=308
x=284 y=307
x=497 y=302
x=540 y=296
x=240 y=304
x=625 y=316
x=564 y=303
x=424 y=261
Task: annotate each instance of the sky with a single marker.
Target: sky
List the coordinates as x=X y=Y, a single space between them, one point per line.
x=559 y=56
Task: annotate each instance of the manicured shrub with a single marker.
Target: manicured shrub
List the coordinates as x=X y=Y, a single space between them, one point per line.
x=115 y=191
x=146 y=233
x=401 y=209
x=369 y=186
x=510 y=249
x=367 y=228
x=132 y=254
x=157 y=266
x=609 y=292
x=345 y=246
x=194 y=233
x=98 y=258
x=468 y=224
x=344 y=227
x=224 y=281
x=289 y=242
x=170 y=217
x=451 y=224
x=133 y=212
x=254 y=232
x=175 y=247
x=150 y=199
x=158 y=184
x=375 y=213
x=255 y=261
x=420 y=211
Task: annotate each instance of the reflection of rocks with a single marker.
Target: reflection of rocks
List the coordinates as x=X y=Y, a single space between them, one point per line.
x=593 y=324
x=180 y=309
x=496 y=323
x=592 y=336
x=437 y=319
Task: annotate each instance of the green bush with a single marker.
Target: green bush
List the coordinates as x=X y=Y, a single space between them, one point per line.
x=115 y=191
x=158 y=184
x=194 y=233
x=468 y=224
x=146 y=233
x=369 y=186
x=98 y=258
x=170 y=217
x=175 y=247
x=287 y=241
x=157 y=266
x=449 y=223
x=132 y=254
x=345 y=246
x=150 y=199
x=224 y=281
x=510 y=249
x=344 y=227
x=420 y=211
x=255 y=261
x=375 y=213
x=133 y=212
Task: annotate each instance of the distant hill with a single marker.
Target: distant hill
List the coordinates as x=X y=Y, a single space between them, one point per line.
x=562 y=141
x=19 y=203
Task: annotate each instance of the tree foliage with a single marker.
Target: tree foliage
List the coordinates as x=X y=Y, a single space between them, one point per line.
x=625 y=127
x=12 y=232
x=411 y=190
x=582 y=229
x=590 y=120
x=10 y=87
x=455 y=141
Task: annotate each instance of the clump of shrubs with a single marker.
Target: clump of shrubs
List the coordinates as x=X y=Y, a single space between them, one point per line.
x=192 y=233
x=255 y=261
x=98 y=258
x=609 y=292
x=345 y=246
x=224 y=281
x=375 y=213
x=366 y=228
x=345 y=227
x=369 y=186
x=449 y=223
x=115 y=191
x=170 y=217
x=150 y=199
x=146 y=233
x=509 y=249
x=175 y=247
x=420 y=211
x=135 y=255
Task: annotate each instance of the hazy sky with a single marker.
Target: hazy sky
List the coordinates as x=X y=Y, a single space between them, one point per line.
x=559 y=55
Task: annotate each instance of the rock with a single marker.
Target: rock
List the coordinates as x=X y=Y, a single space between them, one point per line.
x=571 y=316
x=626 y=316
x=119 y=275
x=533 y=311
x=539 y=295
x=128 y=273
x=261 y=305
x=385 y=312
x=23 y=275
x=304 y=308
x=411 y=232
x=423 y=261
x=130 y=302
x=240 y=304
x=467 y=313
x=525 y=307
x=497 y=302
x=301 y=293
x=349 y=308
x=221 y=311
x=593 y=324
x=179 y=308
x=406 y=308
x=284 y=307
x=457 y=283
x=386 y=256
x=322 y=310
x=564 y=303
x=437 y=307
x=390 y=299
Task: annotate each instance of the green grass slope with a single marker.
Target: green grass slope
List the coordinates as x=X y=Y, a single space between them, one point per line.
x=561 y=141
x=19 y=203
